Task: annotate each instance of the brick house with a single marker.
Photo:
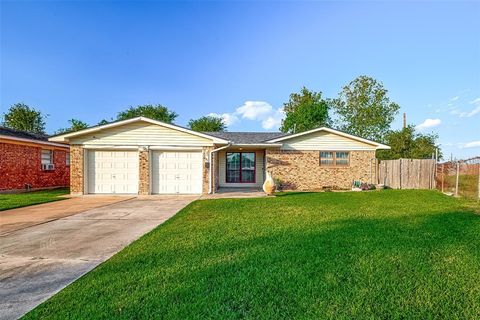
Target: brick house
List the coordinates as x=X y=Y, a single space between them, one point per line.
x=144 y=156
x=29 y=161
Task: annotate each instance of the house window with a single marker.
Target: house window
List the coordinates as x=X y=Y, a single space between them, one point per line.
x=67 y=158
x=240 y=167
x=47 y=156
x=334 y=158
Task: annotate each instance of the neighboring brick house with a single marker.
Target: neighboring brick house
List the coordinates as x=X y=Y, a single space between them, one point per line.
x=145 y=156
x=29 y=161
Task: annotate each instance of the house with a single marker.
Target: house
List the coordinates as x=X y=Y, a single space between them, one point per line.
x=29 y=161
x=144 y=156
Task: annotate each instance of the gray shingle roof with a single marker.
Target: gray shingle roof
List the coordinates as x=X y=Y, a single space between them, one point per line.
x=22 y=134
x=246 y=137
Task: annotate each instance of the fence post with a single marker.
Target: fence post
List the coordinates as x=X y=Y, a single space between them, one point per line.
x=456 y=181
x=443 y=168
x=478 y=187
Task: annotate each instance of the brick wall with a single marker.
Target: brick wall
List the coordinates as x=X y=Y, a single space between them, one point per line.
x=301 y=170
x=76 y=170
x=20 y=165
x=206 y=169
x=144 y=172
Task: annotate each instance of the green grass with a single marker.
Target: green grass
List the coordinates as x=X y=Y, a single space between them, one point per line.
x=394 y=254
x=17 y=200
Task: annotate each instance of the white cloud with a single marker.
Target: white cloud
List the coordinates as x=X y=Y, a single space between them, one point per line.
x=475 y=102
x=228 y=118
x=254 y=110
x=273 y=121
x=471 y=144
x=454 y=98
x=429 y=123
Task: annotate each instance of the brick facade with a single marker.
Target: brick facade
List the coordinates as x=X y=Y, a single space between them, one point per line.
x=206 y=170
x=301 y=170
x=76 y=170
x=20 y=167
x=144 y=172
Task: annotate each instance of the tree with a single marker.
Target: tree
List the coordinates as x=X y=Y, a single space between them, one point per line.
x=103 y=122
x=207 y=124
x=407 y=143
x=22 y=117
x=75 y=125
x=364 y=109
x=304 y=111
x=156 y=112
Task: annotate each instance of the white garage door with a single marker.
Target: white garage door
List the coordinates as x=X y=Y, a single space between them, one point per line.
x=176 y=172
x=112 y=171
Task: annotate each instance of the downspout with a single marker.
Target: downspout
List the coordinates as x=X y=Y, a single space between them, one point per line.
x=210 y=184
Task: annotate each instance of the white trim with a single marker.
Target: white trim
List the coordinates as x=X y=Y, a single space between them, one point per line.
x=261 y=145
x=210 y=158
x=340 y=133
x=110 y=147
x=34 y=141
x=66 y=136
x=176 y=148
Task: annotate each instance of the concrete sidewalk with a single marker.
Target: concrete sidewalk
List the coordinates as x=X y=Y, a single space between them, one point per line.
x=20 y=218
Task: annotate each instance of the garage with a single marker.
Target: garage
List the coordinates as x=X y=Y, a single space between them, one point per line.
x=112 y=172
x=176 y=172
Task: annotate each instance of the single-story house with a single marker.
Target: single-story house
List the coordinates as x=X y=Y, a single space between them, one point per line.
x=145 y=156
x=29 y=161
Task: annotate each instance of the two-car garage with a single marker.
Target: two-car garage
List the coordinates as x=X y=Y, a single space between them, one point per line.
x=140 y=156
x=117 y=172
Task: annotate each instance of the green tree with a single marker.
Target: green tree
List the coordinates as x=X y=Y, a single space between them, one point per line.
x=22 y=117
x=407 y=143
x=207 y=124
x=156 y=112
x=75 y=125
x=304 y=111
x=103 y=122
x=364 y=109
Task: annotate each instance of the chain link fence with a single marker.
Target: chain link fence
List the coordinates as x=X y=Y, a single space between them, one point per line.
x=460 y=178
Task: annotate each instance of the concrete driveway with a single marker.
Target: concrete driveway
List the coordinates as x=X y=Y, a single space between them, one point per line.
x=40 y=260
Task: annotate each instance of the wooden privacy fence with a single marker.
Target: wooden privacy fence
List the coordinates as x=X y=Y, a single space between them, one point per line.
x=407 y=173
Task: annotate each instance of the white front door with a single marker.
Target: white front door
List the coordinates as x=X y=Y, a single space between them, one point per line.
x=176 y=172
x=112 y=171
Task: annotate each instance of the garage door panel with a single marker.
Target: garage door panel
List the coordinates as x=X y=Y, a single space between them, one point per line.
x=112 y=171
x=176 y=172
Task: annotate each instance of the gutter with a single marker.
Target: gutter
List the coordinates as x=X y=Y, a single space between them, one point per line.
x=210 y=184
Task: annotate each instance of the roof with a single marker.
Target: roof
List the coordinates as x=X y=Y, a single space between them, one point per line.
x=66 y=136
x=27 y=137
x=22 y=134
x=246 y=137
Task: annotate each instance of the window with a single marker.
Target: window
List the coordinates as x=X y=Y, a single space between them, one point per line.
x=334 y=158
x=240 y=167
x=67 y=158
x=47 y=156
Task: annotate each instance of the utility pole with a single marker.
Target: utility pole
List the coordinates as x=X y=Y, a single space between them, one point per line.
x=404 y=120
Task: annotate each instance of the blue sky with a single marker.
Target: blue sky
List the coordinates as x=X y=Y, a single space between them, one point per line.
x=90 y=60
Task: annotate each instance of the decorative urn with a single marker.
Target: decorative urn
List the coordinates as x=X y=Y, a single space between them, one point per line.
x=269 y=185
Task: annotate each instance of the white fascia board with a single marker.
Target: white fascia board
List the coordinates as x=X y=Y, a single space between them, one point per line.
x=260 y=145
x=65 y=137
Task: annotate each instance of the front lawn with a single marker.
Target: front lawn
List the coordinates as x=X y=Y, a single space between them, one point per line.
x=17 y=200
x=389 y=255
